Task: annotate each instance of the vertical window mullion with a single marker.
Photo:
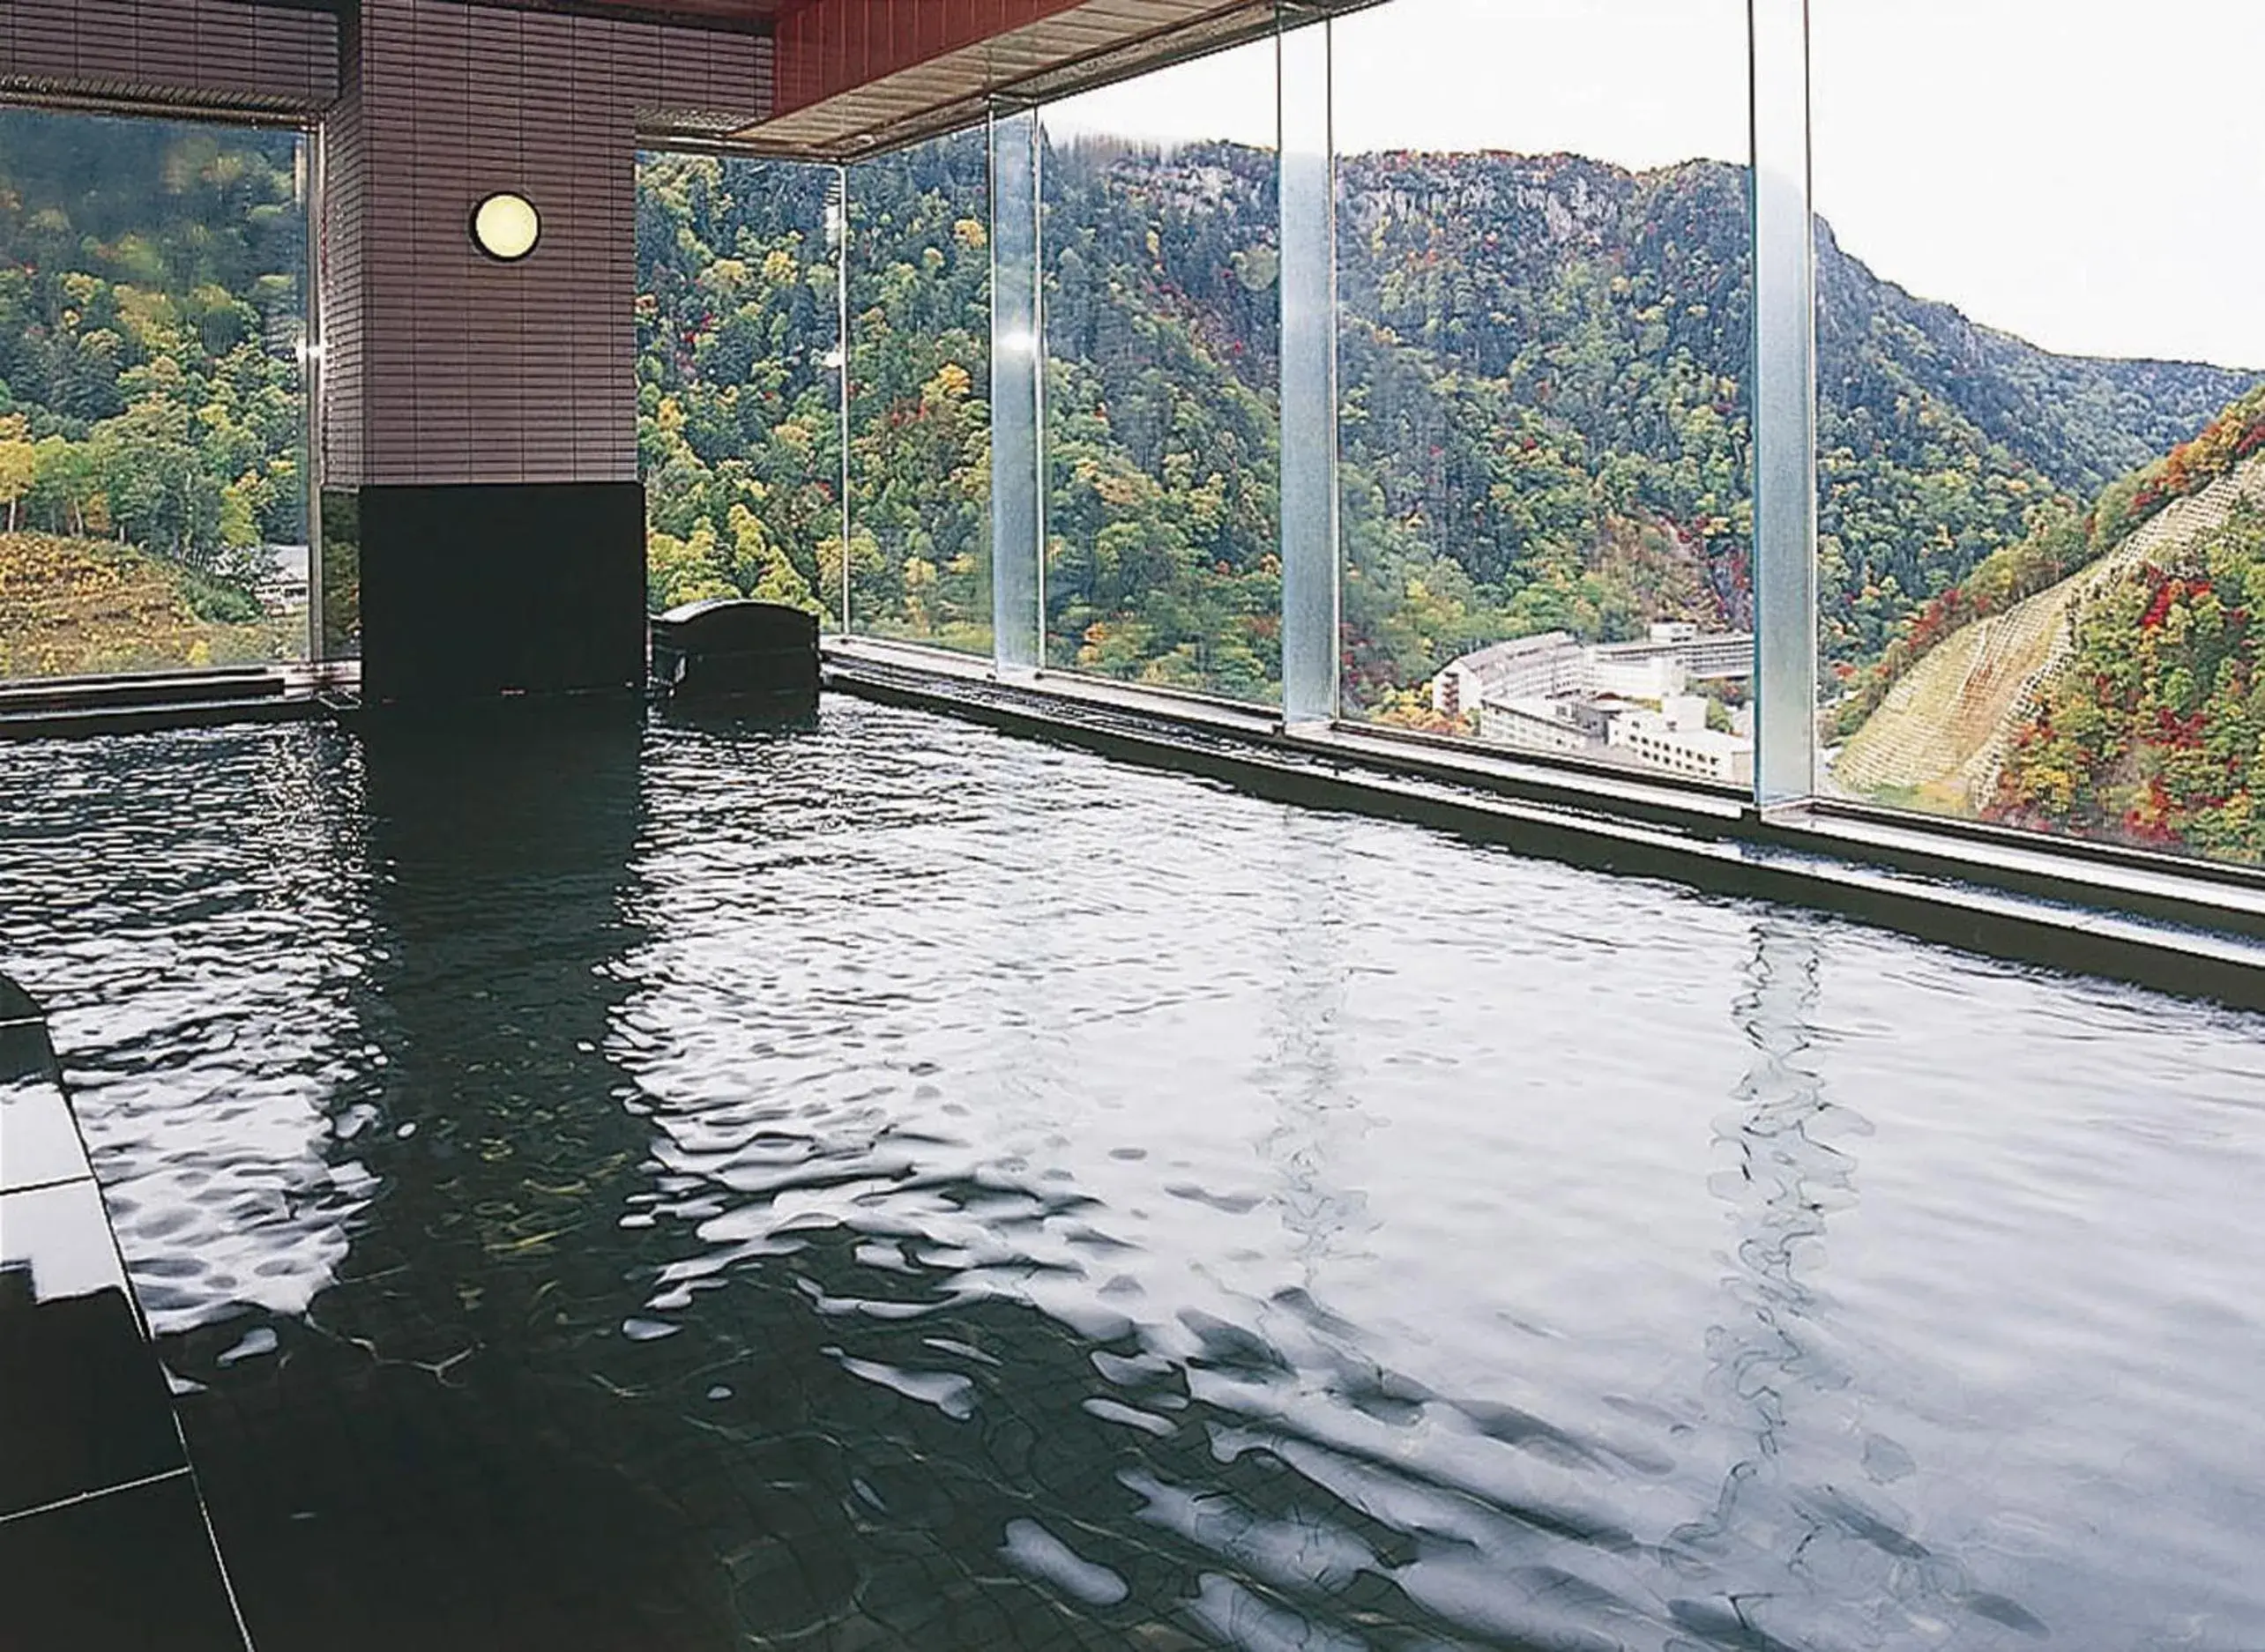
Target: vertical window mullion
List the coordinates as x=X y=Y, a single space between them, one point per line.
x=1784 y=410
x=1307 y=191
x=1018 y=369
x=839 y=229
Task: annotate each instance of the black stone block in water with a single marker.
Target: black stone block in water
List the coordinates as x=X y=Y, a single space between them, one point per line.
x=731 y=646
x=82 y=1402
x=39 y=1139
x=126 y=1572
x=16 y=1004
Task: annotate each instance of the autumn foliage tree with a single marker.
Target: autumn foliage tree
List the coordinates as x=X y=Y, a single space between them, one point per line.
x=2151 y=732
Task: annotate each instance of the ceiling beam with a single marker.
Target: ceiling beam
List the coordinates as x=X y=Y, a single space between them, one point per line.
x=856 y=77
x=827 y=48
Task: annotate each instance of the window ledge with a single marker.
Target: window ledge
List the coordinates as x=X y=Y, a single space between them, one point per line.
x=1574 y=784
x=2201 y=896
x=64 y=707
x=1101 y=692
x=2160 y=928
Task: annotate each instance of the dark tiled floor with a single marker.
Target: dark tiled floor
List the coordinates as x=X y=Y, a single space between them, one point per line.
x=103 y=1545
x=16 y=1004
x=131 y=1571
x=85 y=1403
x=368 y=1507
x=39 y=1140
x=24 y=1050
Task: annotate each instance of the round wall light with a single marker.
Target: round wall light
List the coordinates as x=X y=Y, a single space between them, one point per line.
x=506 y=226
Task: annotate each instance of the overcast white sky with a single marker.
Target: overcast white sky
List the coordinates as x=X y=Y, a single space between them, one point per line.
x=2089 y=173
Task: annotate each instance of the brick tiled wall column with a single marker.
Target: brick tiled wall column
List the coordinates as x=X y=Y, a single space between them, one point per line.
x=440 y=364
x=206 y=55
x=479 y=418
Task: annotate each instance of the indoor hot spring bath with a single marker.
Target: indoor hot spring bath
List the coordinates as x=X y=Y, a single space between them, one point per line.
x=603 y=1183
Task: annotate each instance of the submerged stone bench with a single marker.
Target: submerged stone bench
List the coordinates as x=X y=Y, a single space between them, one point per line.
x=104 y=1542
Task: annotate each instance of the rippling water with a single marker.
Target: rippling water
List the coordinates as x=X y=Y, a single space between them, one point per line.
x=882 y=1184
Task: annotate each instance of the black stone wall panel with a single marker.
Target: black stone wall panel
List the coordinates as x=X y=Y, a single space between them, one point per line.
x=473 y=590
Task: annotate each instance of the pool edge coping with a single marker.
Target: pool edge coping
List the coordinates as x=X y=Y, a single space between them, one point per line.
x=2188 y=940
x=19 y=1008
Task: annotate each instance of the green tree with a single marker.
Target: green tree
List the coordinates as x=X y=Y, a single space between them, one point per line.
x=20 y=463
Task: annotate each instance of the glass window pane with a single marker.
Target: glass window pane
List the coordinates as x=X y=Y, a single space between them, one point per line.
x=2041 y=435
x=152 y=406
x=1162 y=415
x=919 y=330
x=1545 y=326
x=739 y=381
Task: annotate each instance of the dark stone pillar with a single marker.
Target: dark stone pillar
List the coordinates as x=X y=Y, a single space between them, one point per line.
x=482 y=587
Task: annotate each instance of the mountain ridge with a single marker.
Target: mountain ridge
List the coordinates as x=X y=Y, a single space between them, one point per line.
x=1544 y=424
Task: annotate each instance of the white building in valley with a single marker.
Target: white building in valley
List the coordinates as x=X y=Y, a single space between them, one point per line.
x=1704 y=656
x=1628 y=703
x=284 y=583
x=1573 y=725
x=1676 y=739
x=1523 y=667
x=1675 y=654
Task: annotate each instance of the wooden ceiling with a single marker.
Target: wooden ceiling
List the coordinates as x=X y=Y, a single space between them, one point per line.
x=738 y=17
x=857 y=77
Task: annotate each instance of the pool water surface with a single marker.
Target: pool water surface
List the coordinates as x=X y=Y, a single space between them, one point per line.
x=884 y=1184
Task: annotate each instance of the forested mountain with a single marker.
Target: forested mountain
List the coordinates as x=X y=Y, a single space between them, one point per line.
x=2149 y=727
x=1545 y=362
x=739 y=320
x=2082 y=421
x=738 y=427
x=1162 y=319
x=1542 y=362
x=151 y=288
x=919 y=371
x=1160 y=413
x=1542 y=355
x=2103 y=676
x=1545 y=418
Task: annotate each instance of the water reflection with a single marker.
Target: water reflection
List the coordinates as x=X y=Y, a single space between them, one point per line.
x=1317 y=1138
x=1810 y=1499
x=182 y=905
x=409 y=1462
x=889 y=1186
